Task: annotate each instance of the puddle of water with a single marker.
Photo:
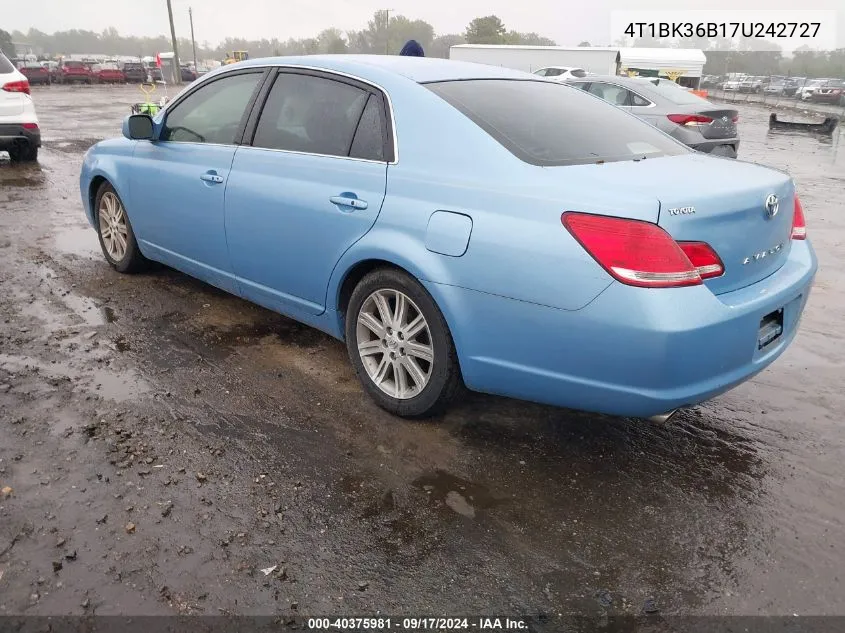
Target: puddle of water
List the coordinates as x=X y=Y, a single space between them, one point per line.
x=12 y=175
x=109 y=314
x=111 y=384
x=79 y=240
x=82 y=307
x=459 y=495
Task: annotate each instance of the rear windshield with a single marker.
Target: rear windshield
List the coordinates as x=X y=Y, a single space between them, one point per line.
x=133 y=66
x=74 y=65
x=672 y=91
x=5 y=65
x=549 y=124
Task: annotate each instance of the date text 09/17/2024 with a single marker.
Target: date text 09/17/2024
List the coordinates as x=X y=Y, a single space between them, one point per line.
x=416 y=624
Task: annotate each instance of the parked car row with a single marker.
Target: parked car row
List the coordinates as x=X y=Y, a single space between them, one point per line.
x=74 y=71
x=822 y=90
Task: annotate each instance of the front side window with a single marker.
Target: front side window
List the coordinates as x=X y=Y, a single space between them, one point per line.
x=550 y=124
x=553 y=72
x=214 y=112
x=310 y=114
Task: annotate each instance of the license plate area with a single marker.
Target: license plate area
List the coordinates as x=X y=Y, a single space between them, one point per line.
x=771 y=329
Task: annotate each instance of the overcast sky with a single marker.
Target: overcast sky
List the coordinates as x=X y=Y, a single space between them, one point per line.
x=214 y=20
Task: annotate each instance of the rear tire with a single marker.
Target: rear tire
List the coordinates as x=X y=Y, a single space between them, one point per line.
x=400 y=345
x=117 y=239
x=23 y=153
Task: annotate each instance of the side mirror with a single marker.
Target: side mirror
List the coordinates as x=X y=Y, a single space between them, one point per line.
x=138 y=127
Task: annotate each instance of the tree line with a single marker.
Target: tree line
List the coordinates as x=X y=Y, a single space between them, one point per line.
x=385 y=33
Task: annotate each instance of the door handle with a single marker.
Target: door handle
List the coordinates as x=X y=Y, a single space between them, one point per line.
x=345 y=201
x=211 y=177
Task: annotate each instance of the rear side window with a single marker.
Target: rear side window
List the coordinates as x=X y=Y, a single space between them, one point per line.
x=616 y=95
x=369 y=137
x=546 y=123
x=213 y=113
x=578 y=72
x=5 y=65
x=310 y=114
x=674 y=92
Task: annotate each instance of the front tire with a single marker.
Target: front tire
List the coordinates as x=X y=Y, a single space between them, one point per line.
x=400 y=345
x=117 y=239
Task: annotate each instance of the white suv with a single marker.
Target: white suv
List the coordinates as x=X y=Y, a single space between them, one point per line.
x=19 y=132
x=561 y=73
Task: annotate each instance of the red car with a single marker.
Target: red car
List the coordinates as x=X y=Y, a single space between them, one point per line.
x=108 y=74
x=35 y=73
x=72 y=71
x=831 y=92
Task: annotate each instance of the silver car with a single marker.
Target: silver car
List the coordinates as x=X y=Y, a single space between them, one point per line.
x=694 y=121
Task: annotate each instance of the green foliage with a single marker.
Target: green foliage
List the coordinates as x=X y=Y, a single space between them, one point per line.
x=487 y=30
x=6 y=46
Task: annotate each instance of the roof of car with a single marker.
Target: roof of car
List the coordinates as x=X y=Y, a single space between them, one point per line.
x=419 y=69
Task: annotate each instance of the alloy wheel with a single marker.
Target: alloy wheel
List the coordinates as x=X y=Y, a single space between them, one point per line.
x=394 y=343
x=113 y=229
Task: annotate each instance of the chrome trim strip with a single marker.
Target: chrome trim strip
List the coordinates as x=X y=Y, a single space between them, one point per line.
x=291 y=151
x=322 y=70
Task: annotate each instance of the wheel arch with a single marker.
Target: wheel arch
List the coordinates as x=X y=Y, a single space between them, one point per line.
x=426 y=268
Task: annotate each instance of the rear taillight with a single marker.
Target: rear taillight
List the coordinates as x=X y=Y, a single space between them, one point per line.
x=634 y=252
x=735 y=119
x=30 y=126
x=17 y=86
x=689 y=119
x=704 y=259
x=799 y=225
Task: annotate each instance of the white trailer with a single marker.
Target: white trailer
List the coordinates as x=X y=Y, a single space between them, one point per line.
x=600 y=61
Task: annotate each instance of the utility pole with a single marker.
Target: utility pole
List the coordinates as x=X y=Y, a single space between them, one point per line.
x=386 y=31
x=193 y=41
x=177 y=70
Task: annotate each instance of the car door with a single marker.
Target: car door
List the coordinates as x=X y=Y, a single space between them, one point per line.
x=178 y=182
x=309 y=186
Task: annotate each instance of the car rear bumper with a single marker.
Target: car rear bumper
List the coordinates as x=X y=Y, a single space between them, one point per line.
x=632 y=351
x=15 y=132
x=721 y=146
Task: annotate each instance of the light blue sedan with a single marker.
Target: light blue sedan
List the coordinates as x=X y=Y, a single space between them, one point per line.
x=464 y=225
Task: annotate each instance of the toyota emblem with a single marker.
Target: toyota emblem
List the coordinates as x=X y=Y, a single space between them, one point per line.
x=772 y=206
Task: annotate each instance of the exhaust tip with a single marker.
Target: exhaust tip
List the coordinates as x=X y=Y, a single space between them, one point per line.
x=662 y=418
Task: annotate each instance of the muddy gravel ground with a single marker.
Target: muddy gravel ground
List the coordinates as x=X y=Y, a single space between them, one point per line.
x=162 y=443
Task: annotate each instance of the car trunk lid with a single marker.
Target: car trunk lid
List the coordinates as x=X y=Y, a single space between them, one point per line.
x=729 y=205
x=719 y=201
